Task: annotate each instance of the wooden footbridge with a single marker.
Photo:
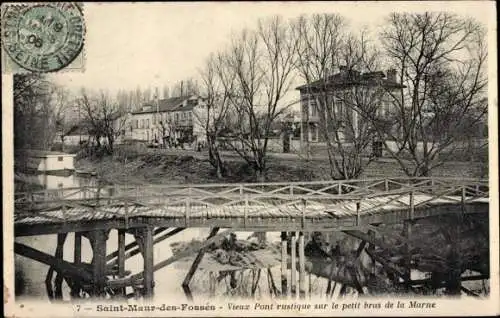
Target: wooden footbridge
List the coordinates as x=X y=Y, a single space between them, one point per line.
x=155 y=212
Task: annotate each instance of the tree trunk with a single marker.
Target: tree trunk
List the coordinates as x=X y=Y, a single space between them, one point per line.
x=62 y=143
x=260 y=175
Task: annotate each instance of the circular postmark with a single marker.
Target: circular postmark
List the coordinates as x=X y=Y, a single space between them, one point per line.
x=43 y=37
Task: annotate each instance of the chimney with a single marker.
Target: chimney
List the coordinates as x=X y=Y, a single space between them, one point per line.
x=391 y=75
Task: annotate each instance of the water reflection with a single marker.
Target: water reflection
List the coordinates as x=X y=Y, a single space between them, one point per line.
x=61 y=181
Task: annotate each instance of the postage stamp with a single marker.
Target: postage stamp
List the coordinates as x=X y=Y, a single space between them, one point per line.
x=44 y=37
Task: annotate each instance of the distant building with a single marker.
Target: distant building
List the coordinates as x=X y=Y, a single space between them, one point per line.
x=168 y=120
x=75 y=134
x=342 y=84
x=81 y=132
x=46 y=161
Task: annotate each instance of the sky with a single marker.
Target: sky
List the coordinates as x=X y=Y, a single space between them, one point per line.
x=155 y=44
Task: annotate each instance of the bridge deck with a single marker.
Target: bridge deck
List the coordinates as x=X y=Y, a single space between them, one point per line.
x=298 y=215
x=274 y=206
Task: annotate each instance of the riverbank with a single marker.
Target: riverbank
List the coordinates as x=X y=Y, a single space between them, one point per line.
x=132 y=165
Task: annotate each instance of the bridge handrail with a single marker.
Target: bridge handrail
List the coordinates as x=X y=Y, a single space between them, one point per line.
x=251 y=184
x=365 y=191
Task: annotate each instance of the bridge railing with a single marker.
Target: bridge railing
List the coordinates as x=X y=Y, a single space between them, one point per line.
x=275 y=193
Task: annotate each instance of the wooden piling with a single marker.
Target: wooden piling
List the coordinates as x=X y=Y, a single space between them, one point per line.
x=302 y=267
x=271 y=281
x=148 y=262
x=255 y=280
x=54 y=291
x=194 y=267
x=408 y=227
x=121 y=258
x=99 y=262
x=77 y=255
x=283 y=264
x=293 y=278
x=121 y=253
x=58 y=293
x=77 y=260
x=310 y=286
x=343 y=291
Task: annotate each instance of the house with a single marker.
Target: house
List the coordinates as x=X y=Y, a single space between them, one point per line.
x=75 y=134
x=82 y=132
x=166 y=121
x=46 y=161
x=341 y=89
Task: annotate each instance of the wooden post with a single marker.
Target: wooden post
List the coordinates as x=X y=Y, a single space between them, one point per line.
x=463 y=199
x=293 y=283
x=77 y=260
x=271 y=280
x=99 y=262
x=188 y=207
x=148 y=262
x=255 y=280
x=121 y=257
x=302 y=267
x=283 y=264
x=77 y=256
x=408 y=225
x=121 y=253
x=358 y=209
x=310 y=286
x=194 y=267
x=329 y=288
x=58 y=293
x=343 y=291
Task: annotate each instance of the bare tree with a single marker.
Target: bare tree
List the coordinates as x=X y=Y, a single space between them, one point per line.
x=61 y=111
x=167 y=127
x=104 y=117
x=262 y=62
x=39 y=109
x=217 y=87
x=441 y=58
x=185 y=88
x=166 y=92
x=339 y=101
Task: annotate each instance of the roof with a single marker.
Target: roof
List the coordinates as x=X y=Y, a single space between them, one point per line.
x=81 y=128
x=167 y=105
x=354 y=78
x=85 y=125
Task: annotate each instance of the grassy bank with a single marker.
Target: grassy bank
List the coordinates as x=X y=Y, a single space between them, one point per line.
x=136 y=165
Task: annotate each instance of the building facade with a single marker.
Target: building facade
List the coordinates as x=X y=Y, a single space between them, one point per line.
x=168 y=121
x=343 y=92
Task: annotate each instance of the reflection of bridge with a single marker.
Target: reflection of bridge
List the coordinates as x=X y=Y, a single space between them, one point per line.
x=146 y=211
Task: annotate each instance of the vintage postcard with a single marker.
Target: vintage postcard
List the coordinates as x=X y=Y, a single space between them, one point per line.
x=250 y=159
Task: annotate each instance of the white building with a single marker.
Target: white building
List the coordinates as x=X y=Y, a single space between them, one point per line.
x=166 y=121
x=47 y=161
